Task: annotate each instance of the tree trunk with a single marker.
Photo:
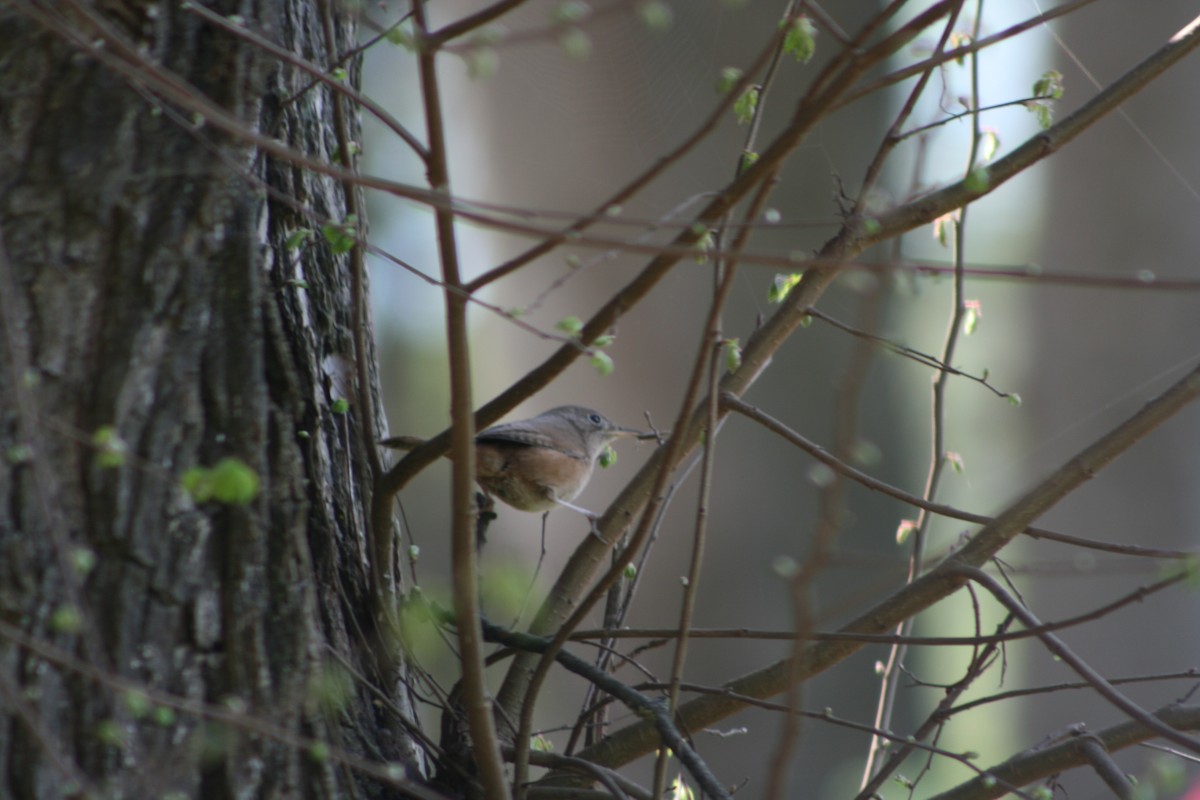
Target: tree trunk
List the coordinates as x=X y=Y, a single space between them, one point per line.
x=155 y=319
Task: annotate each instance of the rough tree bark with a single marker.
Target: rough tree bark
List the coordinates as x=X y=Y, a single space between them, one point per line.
x=146 y=285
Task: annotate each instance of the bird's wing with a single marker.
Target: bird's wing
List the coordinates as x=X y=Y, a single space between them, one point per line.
x=517 y=433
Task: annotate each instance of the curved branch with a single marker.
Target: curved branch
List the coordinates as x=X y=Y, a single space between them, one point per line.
x=1031 y=765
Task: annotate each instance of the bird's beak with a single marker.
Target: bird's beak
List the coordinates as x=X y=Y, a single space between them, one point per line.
x=634 y=433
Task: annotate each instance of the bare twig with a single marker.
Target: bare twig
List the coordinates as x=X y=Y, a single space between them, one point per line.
x=485 y=744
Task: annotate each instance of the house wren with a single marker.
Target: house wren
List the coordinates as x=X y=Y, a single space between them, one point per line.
x=539 y=463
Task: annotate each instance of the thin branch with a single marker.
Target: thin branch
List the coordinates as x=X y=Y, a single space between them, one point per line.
x=890 y=679
x=485 y=744
x=433 y=41
x=1112 y=775
x=910 y=353
x=734 y=403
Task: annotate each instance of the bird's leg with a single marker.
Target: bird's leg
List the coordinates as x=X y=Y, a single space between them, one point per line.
x=545 y=516
x=592 y=518
x=487 y=513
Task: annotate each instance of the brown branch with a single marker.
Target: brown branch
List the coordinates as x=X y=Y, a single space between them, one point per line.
x=734 y=403
x=485 y=744
x=433 y=41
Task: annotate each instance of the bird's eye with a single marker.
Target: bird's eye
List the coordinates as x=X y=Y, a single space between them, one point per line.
x=595 y=419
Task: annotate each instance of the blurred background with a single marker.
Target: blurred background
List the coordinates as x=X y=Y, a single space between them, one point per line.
x=556 y=123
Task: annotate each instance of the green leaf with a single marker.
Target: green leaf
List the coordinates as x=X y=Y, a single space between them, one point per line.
x=402 y=36
x=866 y=453
x=571 y=325
x=340 y=235
x=729 y=78
x=231 y=482
x=785 y=566
x=800 y=40
x=111 y=449
x=782 y=285
x=82 y=560
x=970 y=320
x=977 y=180
x=822 y=475
x=973 y=312
x=298 y=238
x=1043 y=111
x=904 y=530
x=234 y=482
x=733 y=354
x=19 y=454
x=1049 y=86
x=630 y=572
x=66 y=619
x=604 y=341
x=163 y=716
x=679 y=790
x=656 y=15
x=576 y=43
x=943 y=227
x=571 y=11
x=137 y=703
x=744 y=106
x=482 y=62
x=341 y=405
x=110 y=733
x=608 y=457
x=1014 y=399
x=330 y=687
x=955 y=460
x=704 y=246
x=602 y=363
x=339 y=74
x=989 y=143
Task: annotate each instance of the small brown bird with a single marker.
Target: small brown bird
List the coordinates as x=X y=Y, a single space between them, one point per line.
x=538 y=463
